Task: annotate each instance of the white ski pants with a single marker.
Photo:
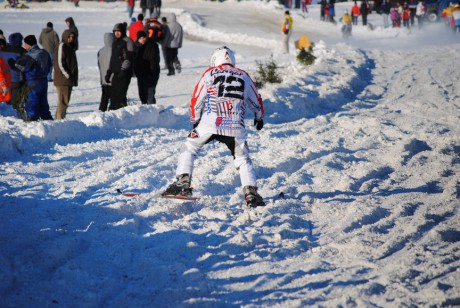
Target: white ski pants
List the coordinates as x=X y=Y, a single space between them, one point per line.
x=238 y=148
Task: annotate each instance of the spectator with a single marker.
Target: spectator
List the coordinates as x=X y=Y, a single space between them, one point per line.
x=158 y=8
x=147 y=67
x=323 y=5
x=120 y=67
x=395 y=18
x=406 y=15
x=49 y=40
x=420 y=13
x=456 y=18
x=413 y=11
x=155 y=30
x=35 y=64
x=286 y=28
x=143 y=5
x=103 y=61
x=385 y=11
x=5 y=77
x=174 y=40
x=364 y=10
x=304 y=8
x=130 y=8
x=65 y=73
x=355 y=12
x=73 y=28
x=151 y=6
x=164 y=23
x=14 y=51
x=136 y=27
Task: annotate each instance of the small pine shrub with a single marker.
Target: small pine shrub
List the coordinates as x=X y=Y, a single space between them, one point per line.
x=306 y=57
x=267 y=73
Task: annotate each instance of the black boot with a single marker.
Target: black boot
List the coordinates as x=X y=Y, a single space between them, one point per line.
x=181 y=187
x=253 y=199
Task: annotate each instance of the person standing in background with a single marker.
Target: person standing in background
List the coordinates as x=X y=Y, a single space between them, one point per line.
x=121 y=66
x=5 y=77
x=73 y=28
x=174 y=40
x=49 y=40
x=14 y=51
x=103 y=62
x=355 y=12
x=65 y=72
x=136 y=27
x=130 y=8
x=147 y=67
x=286 y=28
x=35 y=65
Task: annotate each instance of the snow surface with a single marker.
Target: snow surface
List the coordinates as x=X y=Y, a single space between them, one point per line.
x=364 y=144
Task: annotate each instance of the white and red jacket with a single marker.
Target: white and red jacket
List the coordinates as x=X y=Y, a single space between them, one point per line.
x=220 y=101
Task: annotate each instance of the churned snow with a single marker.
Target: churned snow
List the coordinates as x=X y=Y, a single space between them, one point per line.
x=364 y=144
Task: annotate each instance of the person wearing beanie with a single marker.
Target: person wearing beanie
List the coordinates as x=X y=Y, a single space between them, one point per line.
x=146 y=67
x=49 y=40
x=73 y=28
x=120 y=67
x=35 y=65
x=14 y=50
x=136 y=27
x=65 y=72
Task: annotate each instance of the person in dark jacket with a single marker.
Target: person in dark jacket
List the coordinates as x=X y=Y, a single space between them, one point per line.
x=35 y=66
x=49 y=40
x=73 y=28
x=65 y=72
x=120 y=67
x=103 y=62
x=364 y=9
x=14 y=50
x=147 y=67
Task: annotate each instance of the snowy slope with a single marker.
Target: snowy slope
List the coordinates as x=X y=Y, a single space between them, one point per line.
x=364 y=144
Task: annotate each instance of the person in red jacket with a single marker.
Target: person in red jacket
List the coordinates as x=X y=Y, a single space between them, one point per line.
x=406 y=15
x=355 y=12
x=5 y=78
x=136 y=27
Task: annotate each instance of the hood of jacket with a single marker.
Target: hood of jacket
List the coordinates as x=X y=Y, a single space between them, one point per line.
x=47 y=30
x=108 y=39
x=172 y=18
x=70 y=21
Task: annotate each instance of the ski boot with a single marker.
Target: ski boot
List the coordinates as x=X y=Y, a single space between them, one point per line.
x=253 y=199
x=181 y=187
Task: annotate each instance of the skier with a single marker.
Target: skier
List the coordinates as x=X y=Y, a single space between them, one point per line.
x=218 y=106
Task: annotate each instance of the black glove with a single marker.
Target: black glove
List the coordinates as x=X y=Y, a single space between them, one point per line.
x=11 y=62
x=286 y=31
x=259 y=124
x=107 y=76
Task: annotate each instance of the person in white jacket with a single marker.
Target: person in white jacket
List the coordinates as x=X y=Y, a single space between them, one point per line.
x=218 y=109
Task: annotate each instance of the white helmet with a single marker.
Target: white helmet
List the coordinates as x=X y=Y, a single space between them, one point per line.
x=222 y=55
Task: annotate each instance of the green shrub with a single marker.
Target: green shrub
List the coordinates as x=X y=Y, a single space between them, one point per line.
x=267 y=73
x=306 y=57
